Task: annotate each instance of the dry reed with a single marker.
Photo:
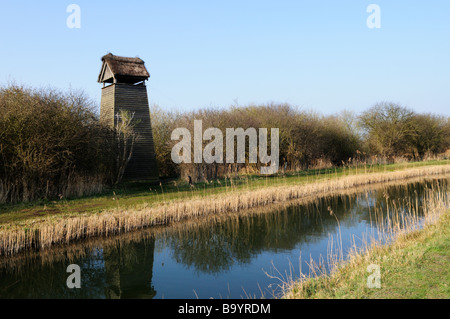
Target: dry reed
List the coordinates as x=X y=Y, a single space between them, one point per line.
x=44 y=233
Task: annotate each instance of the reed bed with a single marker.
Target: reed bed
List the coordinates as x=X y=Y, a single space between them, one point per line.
x=62 y=230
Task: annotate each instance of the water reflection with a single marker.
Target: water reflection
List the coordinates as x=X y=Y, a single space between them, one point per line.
x=218 y=248
x=123 y=270
x=129 y=269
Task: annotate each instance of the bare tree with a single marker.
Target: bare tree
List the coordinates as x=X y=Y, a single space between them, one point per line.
x=388 y=126
x=126 y=137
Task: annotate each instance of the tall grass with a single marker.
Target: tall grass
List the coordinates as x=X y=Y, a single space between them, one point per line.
x=49 y=231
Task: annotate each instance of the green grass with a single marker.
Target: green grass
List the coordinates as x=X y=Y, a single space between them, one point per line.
x=416 y=266
x=136 y=194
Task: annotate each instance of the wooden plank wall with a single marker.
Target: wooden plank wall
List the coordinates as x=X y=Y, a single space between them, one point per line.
x=107 y=105
x=133 y=98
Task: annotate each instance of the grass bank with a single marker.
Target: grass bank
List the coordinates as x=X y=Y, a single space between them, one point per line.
x=134 y=196
x=43 y=232
x=416 y=265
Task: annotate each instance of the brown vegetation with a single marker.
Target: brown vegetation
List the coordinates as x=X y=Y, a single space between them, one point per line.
x=386 y=133
x=51 y=145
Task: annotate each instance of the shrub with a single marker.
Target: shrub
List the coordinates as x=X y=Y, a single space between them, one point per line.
x=51 y=144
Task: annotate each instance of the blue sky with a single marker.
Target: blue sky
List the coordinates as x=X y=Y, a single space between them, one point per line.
x=318 y=55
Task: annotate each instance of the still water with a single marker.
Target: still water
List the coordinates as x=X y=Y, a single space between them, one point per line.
x=224 y=257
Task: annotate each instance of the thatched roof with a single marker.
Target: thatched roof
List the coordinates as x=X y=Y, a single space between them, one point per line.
x=123 y=69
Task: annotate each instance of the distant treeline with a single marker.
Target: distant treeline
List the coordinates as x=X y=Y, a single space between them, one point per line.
x=52 y=143
x=385 y=133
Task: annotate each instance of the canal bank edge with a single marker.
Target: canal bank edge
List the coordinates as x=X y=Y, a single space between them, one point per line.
x=58 y=231
x=414 y=266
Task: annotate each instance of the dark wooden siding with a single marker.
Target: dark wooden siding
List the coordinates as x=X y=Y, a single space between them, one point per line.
x=133 y=98
x=107 y=105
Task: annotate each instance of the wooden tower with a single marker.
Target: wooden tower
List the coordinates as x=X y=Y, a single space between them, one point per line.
x=124 y=89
